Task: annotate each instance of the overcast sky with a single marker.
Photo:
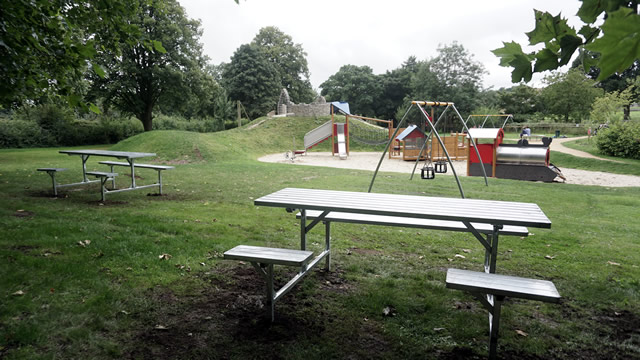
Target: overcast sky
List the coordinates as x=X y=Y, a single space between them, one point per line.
x=380 y=34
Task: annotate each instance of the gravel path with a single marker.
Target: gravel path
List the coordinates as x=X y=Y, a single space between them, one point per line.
x=369 y=161
x=556 y=145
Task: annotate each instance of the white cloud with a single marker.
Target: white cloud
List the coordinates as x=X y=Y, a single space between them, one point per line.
x=380 y=34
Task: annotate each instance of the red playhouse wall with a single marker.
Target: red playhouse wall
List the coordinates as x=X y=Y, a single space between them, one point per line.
x=486 y=153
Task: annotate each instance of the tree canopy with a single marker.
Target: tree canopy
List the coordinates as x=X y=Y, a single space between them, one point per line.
x=569 y=95
x=45 y=45
x=616 y=42
x=251 y=78
x=136 y=80
x=356 y=85
x=289 y=60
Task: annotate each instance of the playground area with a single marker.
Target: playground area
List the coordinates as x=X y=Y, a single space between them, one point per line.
x=369 y=160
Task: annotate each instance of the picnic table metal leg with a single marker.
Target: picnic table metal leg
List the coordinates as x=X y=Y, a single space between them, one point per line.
x=133 y=173
x=84 y=168
x=113 y=180
x=270 y=292
x=494 y=326
x=487 y=255
x=53 y=180
x=303 y=235
x=494 y=248
x=103 y=188
x=327 y=237
x=160 y=182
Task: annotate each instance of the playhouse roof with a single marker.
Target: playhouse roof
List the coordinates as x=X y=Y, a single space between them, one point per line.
x=342 y=107
x=491 y=133
x=408 y=131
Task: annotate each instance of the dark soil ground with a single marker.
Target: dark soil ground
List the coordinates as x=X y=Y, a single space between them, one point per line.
x=226 y=319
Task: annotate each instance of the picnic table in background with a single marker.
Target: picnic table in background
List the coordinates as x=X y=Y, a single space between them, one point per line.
x=104 y=176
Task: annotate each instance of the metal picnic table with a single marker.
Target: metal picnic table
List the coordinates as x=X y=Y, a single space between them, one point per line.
x=468 y=211
x=127 y=155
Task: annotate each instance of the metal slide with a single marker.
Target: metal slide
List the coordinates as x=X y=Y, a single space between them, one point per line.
x=342 y=147
x=318 y=135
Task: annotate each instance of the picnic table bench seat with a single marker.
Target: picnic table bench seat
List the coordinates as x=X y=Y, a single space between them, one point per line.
x=491 y=289
x=104 y=177
x=52 y=172
x=263 y=259
x=449 y=225
x=158 y=168
x=144 y=166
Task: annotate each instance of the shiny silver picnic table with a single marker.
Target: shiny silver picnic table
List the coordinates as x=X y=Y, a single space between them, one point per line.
x=126 y=155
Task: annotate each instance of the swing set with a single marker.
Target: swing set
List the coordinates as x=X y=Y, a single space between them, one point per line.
x=429 y=170
x=506 y=117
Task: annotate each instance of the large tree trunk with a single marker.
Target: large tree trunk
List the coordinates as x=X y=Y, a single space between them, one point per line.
x=147 y=118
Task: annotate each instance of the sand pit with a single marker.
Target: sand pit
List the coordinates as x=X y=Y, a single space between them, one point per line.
x=369 y=161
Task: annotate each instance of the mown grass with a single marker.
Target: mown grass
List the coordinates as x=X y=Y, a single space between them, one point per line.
x=616 y=166
x=97 y=300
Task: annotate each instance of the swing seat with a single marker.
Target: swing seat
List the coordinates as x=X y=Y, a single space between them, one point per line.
x=427 y=173
x=441 y=167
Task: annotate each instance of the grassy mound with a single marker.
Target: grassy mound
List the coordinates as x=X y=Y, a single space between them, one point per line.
x=262 y=136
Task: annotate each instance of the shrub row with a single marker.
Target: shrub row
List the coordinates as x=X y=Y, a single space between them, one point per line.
x=51 y=125
x=622 y=140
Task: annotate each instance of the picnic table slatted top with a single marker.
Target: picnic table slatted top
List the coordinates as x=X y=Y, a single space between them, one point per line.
x=439 y=208
x=116 y=154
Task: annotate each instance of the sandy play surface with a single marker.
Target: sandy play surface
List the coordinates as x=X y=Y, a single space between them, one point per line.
x=369 y=161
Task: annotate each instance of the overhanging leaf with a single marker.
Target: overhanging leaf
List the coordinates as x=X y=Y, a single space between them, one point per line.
x=545 y=60
x=619 y=46
x=521 y=69
x=568 y=46
x=589 y=33
x=94 y=108
x=99 y=70
x=590 y=10
x=549 y=27
x=508 y=53
x=157 y=46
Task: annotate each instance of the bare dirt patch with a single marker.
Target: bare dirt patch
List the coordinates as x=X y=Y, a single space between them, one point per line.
x=23 y=214
x=226 y=318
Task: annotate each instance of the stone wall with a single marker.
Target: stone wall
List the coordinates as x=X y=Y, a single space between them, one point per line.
x=286 y=107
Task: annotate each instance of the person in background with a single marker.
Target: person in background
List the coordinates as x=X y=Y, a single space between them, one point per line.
x=526 y=131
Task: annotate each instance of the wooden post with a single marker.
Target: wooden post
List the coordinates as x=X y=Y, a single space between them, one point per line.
x=346 y=135
x=332 y=133
x=239 y=115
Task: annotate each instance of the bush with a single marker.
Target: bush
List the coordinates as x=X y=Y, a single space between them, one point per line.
x=52 y=125
x=621 y=140
x=23 y=134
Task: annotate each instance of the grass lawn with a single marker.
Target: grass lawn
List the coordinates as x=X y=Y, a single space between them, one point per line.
x=618 y=166
x=113 y=296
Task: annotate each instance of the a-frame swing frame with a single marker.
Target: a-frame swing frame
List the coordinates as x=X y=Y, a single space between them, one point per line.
x=486 y=117
x=432 y=131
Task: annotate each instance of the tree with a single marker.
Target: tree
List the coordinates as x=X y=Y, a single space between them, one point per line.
x=356 y=85
x=616 y=41
x=289 y=60
x=606 y=108
x=396 y=84
x=137 y=79
x=618 y=82
x=45 y=45
x=452 y=76
x=519 y=100
x=252 y=79
x=569 y=95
